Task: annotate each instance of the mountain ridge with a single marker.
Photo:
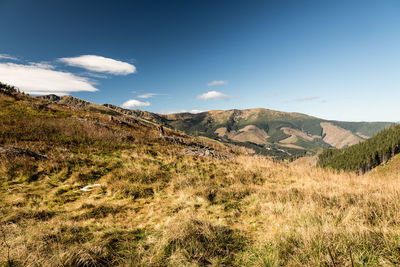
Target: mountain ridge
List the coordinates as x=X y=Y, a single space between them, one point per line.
x=264 y=131
x=294 y=133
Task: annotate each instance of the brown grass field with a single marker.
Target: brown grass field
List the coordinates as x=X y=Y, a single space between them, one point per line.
x=157 y=206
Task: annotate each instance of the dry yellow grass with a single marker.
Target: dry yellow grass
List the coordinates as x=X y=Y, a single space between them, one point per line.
x=250 y=211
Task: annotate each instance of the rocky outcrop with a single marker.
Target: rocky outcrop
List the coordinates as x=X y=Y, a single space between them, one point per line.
x=51 y=98
x=137 y=113
x=195 y=149
x=73 y=101
x=18 y=152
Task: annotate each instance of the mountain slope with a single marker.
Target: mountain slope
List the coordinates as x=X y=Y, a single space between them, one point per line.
x=391 y=166
x=364 y=156
x=269 y=132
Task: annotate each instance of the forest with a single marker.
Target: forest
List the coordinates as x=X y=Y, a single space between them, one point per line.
x=366 y=155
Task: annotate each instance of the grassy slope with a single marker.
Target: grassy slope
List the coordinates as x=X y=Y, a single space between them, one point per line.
x=268 y=120
x=158 y=207
x=365 y=128
x=392 y=166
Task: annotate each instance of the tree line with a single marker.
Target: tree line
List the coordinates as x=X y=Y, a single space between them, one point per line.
x=366 y=155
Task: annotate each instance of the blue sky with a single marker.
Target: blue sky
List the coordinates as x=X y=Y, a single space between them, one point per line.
x=331 y=59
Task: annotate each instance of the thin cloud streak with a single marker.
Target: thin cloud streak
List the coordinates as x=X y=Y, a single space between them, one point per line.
x=8 y=57
x=149 y=95
x=304 y=99
x=213 y=83
x=42 y=65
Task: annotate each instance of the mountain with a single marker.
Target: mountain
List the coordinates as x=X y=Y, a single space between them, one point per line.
x=88 y=185
x=262 y=131
x=268 y=132
x=364 y=156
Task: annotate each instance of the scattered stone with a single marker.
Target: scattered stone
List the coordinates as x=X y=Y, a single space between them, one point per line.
x=161 y=131
x=89 y=187
x=195 y=149
x=17 y=151
x=206 y=153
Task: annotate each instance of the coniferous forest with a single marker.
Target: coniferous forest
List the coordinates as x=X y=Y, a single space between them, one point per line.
x=364 y=156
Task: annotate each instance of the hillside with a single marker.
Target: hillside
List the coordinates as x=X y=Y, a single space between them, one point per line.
x=391 y=166
x=364 y=156
x=263 y=131
x=85 y=185
x=270 y=132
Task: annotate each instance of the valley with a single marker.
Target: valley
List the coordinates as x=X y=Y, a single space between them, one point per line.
x=268 y=132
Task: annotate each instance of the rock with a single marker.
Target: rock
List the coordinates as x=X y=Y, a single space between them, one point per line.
x=51 y=97
x=161 y=131
x=16 y=151
x=73 y=101
x=206 y=152
x=89 y=187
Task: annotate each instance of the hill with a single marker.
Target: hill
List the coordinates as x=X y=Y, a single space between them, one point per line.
x=86 y=185
x=268 y=132
x=263 y=131
x=364 y=156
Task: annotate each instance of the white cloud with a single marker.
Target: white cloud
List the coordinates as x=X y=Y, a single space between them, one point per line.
x=217 y=83
x=7 y=56
x=149 y=95
x=212 y=95
x=100 y=64
x=135 y=103
x=39 y=80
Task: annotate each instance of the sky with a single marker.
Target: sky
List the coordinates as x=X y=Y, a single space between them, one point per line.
x=337 y=60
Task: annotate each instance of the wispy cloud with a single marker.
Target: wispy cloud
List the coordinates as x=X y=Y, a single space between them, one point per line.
x=135 y=103
x=42 y=65
x=213 y=83
x=94 y=75
x=272 y=94
x=149 y=95
x=38 y=79
x=212 y=95
x=8 y=57
x=304 y=99
x=100 y=64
